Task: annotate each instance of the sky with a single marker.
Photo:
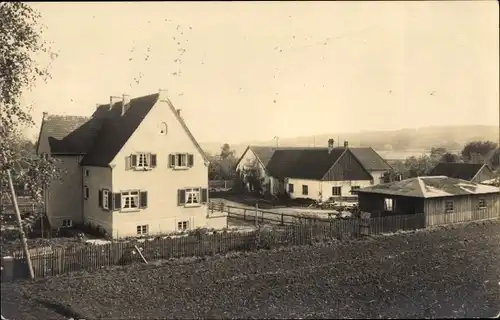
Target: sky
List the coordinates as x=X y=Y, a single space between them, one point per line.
x=255 y=70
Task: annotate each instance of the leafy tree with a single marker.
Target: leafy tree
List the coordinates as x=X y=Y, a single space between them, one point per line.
x=226 y=151
x=495 y=159
x=252 y=175
x=440 y=154
x=481 y=148
x=20 y=44
x=223 y=167
x=418 y=166
x=450 y=158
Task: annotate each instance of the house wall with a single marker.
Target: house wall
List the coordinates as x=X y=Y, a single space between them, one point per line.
x=322 y=190
x=99 y=178
x=377 y=176
x=465 y=209
x=63 y=199
x=484 y=174
x=375 y=204
x=161 y=183
x=247 y=161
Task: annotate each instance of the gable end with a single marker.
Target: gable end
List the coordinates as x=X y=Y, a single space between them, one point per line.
x=347 y=168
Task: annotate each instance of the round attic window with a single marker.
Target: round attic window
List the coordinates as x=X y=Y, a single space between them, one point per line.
x=163 y=128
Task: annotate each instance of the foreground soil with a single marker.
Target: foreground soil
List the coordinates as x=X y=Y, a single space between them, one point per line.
x=449 y=272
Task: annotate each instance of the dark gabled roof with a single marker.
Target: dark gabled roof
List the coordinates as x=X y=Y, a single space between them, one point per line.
x=370 y=159
x=264 y=154
x=101 y=137
x=60 y=134
x=430 y=187
x=465 y=171
x=117 y=129
x=282 y=161
x=306 y=163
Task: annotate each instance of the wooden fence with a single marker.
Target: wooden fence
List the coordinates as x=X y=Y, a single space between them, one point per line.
x=49 y=261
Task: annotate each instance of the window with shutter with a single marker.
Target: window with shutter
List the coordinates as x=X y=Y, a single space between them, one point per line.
x=105 y=199
x=181 y=161
x=110 y=201
x=133 y=161
x=117 y=197
x=153 y=160
x=190 y=160
x=204 y=195
x=100 y=199
x=144 y=199
x=181 y=197
x=171 y=160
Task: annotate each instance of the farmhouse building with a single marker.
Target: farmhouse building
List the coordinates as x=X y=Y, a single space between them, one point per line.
x=473 y=172
x=317 y=173
x=441 y=199
x=132 y=168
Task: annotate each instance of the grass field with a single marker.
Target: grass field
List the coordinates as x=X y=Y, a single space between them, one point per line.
x=448 y=272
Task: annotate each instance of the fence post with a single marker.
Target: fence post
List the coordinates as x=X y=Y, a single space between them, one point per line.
x=256 y=214
x=245 y=214
x=282 y=220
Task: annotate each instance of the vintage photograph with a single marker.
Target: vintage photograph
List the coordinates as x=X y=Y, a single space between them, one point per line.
x=249 y=160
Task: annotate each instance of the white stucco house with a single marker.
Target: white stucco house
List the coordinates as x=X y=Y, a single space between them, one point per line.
x=316 y=173
x=133 y=168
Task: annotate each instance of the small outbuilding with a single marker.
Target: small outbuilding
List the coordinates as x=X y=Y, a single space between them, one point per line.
x=441 y=199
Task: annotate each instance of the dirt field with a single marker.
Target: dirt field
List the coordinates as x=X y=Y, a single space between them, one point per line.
x=449 y=272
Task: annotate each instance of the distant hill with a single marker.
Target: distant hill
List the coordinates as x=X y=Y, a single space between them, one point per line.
x=391 y=144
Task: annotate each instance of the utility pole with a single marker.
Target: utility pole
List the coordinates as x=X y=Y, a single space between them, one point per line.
x=20 y=223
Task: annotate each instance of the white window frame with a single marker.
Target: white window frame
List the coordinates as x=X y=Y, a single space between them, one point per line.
x=130 y=194
x=389 y=204
x=292 y=188
x=143 y=160
x=67 y=223
x=183 y=225
x=105 y=199
x=86 y=192
x=178 y=159
x=196 y=193
x=142 y=229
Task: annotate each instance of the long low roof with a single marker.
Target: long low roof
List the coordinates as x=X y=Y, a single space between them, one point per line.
x=431 y=187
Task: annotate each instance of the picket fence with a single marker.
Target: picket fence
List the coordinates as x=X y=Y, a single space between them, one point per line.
x=49 y=261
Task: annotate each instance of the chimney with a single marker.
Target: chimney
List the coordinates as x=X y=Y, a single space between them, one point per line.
x=112 y=99
x=330 y=145
x=125 y=103
x=346 y=144
x=179 y=112
x=44 y=115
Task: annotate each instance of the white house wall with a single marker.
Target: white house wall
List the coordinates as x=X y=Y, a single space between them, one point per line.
x=247 y=162
x=98 y=178
x=162 y=182
x=322 y=190
x=64 y=197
